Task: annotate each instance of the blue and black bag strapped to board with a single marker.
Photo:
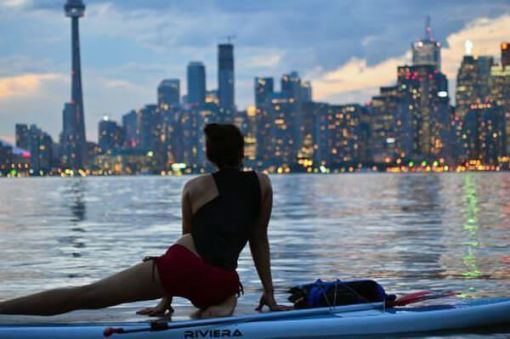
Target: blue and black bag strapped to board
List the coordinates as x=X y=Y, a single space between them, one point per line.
x=337 y=293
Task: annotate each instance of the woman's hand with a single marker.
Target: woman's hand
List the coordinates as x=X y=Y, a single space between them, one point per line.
x=267 y=298
x=158 y=311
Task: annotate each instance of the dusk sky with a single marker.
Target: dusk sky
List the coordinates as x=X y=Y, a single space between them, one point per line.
x=347 y=49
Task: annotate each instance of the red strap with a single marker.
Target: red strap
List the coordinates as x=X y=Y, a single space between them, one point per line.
x=419 y=296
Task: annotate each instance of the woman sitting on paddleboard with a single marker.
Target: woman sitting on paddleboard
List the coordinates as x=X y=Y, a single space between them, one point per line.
x=221 y=212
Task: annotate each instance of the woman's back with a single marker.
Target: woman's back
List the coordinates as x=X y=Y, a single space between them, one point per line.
x=221 y=226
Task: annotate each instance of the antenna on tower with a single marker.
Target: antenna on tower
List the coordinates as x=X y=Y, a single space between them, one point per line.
x=428 y=29
x=229 y=38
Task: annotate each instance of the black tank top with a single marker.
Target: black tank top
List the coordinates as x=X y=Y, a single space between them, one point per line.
x=221 y=227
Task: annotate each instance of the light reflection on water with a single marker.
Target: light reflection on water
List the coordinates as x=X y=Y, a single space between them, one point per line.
x=410 y=232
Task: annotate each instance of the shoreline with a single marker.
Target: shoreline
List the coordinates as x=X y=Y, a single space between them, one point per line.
x=335 y=172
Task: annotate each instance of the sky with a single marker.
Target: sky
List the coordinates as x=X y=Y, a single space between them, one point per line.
x=347 y=49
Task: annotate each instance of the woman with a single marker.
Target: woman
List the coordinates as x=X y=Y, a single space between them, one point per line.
x=221 y=212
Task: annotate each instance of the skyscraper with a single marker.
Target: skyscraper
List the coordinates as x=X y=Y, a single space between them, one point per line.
x=110 y=135
x=484 y=133
x=147 y=125
x=284 y=135
x=315 y=123
x=74 y=136
x=250 y=135
x=68 y=144
x=22 y=137
x=500 y=95
x=196 y=83
x=264 y=88
x=306 y=91
x=296 y=93
x=342 y=135
x=264 y=94
x=131 y=129
x=5 y=158
x=169 y=93
x=426 y=91
x=190 y=142
x=390 y=125
x=226 y=77
x=283 y=130
x=473 y=83
x=505 y=54
x=427 y=51
x=291 y=86
x=152 y=135
x=40 y=151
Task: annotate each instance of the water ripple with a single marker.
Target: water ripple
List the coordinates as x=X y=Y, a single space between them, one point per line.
x=410 y=232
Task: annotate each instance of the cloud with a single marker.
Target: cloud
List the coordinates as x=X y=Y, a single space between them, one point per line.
x=15 y=3
x=25 y=85
x=108 y=19
x=357 y=80
x=150 y=28
x=261 y=60
x=39 y=99
x=118 y=84
x=368 y=40
x=33 y=98
x=13 y=65
x=356 y=76
x=486 y=35
x=8 y=138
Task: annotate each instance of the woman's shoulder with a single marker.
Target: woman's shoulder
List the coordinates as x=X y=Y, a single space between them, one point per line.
x=204 y=181
x=264 y=181
x=263 y=177
x=198 y=182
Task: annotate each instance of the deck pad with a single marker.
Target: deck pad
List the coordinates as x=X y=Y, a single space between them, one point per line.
x=119 y=314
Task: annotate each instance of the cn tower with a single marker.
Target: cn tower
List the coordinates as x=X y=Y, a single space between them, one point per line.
x=75 y=144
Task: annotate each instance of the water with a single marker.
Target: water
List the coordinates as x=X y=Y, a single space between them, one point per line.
x=410 y=232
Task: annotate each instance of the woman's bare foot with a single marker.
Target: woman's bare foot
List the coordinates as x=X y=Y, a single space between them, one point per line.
x=224 y=309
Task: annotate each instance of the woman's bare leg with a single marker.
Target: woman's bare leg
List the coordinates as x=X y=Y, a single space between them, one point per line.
x=133 y=284
x=225 y=309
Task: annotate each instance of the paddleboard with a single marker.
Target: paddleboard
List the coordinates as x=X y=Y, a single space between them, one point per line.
x=353 y=320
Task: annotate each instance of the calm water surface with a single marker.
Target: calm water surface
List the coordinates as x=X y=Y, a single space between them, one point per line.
x=409 y=232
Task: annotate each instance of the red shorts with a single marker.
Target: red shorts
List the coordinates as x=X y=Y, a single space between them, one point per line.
x=183 y=274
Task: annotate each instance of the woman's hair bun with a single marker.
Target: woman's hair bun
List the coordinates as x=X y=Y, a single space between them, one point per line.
x=212 y=130
x=224 y=144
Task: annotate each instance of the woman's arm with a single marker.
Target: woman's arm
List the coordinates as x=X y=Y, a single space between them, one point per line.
x=259 y=246
x=187 y=212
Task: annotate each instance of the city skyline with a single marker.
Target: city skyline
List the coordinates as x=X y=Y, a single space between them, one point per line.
x=27 y=78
